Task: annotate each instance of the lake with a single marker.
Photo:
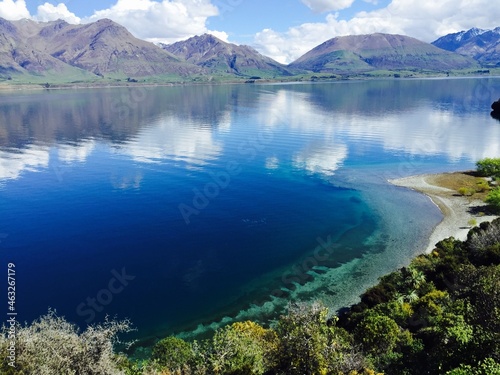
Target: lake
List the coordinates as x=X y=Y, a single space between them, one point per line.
x=185 y=208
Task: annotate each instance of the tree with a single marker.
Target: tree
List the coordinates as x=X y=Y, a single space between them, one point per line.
x=51 y=345
x=310 y=344
x=379 y=334
x=486 y=367
x=304 y=336
x=488 y=167
x=242 y=348
x=172 y=353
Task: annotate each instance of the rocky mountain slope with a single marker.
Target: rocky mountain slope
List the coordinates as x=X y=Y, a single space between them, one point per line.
x=60 y=52
x=482 y=45
x=216 y=55
x=100 y=48
x=379 y=52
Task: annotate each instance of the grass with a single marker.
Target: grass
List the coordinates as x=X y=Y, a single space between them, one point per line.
x=77 y=77
x=458 y=180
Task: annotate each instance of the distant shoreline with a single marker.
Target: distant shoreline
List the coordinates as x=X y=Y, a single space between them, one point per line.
x=5 y=86
x=457 y=210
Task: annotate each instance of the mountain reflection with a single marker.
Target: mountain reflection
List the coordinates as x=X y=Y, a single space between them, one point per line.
x=187 y=125
x=147 y=123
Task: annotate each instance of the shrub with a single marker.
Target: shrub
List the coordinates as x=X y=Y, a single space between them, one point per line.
x=493 y=198
x=51 y=345
x=378 y=333
x=242 y=348
x=472 y=222
x=465 y=191
x=486 y=367
x=482 y=185
x=303 y=339
x=488 y=167
x=172 y=353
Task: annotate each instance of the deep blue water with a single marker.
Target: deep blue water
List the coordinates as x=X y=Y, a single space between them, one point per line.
x=181 y=206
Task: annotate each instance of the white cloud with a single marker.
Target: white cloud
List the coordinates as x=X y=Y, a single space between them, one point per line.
x=423 y=19
x=31 y=159
x=425 y=133
x=13 y=10
x=167 y=140
x=48 y=12
x=164 y=21
x=320 y=6
x=76 y=153
x=167 y=21
x=321 y=159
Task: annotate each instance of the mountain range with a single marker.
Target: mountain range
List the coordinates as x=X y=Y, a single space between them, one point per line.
x=215 y=55
x=94 y=49
x=363 y=53
x=482 y=45
x=105 y=51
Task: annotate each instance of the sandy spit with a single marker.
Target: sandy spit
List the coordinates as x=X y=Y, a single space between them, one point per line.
x=457 y=210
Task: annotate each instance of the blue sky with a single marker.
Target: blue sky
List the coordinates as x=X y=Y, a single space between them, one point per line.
x=281 y=29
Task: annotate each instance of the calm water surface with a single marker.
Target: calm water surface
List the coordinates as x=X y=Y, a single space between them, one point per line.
x=183 y=208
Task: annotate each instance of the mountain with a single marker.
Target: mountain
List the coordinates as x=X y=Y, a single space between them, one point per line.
x=362 y=53
x=17 y=56
x=100 y=48
x=482 y=45
x=58 y=52
x=216 y=55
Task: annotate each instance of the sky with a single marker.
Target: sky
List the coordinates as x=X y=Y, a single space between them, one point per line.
x=281 y=29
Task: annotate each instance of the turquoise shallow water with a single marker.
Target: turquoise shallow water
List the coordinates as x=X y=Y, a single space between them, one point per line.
x=184 y=208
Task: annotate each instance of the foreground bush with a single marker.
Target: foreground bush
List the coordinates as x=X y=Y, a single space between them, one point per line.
x=493 y=198
x=439 y=315
x=172 y=353
x=53 y=346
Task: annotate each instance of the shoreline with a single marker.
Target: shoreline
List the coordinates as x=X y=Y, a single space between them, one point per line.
x=39 y=86
x=457 y=210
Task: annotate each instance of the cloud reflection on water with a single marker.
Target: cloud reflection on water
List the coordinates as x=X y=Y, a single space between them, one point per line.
x=417 y=118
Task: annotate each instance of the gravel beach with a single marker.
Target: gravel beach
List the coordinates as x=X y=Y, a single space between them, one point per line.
x=457 y=210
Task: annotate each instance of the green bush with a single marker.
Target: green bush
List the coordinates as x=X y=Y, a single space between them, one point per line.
x=482 y=185
x=465 y=191
x=378 y=333
x=486 y=367
x=493 y=198
x=172 y=353
x=304 y=337
x=242 y=348
x=51 y=345
x=488 y=167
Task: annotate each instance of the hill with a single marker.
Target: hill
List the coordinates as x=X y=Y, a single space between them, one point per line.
x=104 y=52
x=100 y=48
x=363 y=53
x=18 y=57
x=218 y=56
x=482 y=45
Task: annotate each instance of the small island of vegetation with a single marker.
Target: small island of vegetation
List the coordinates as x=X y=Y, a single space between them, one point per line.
x=438 y=315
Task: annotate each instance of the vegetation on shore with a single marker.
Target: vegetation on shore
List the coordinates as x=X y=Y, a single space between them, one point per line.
x=438 y=315
x=113 y=80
